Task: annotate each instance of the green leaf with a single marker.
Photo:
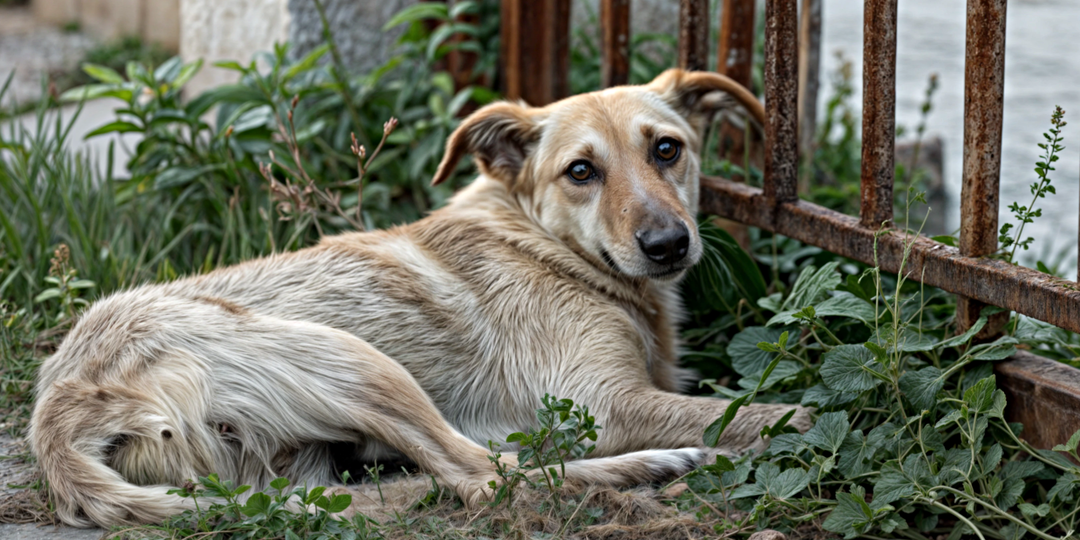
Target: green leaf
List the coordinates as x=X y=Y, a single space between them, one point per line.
x=113 y=127
x=1071 y=445
x=855 y=454
x=842 y=305
x=47 y=294
x=850 y=368
x=907 y=341
x=179 y=176
x=895 y=483
x=187 y=72
x=829 y=432
x=418 y=12
x=852 y=516
x=81 y=284
x=922 y=387
x=104 y=74
x=812 y=285
x=980 y=397
x=962 y=339
x=747 y=359
x=823 y=397
x=280 y=483
x=716 y=429
x=339 y=503
x=257 y=504
x=307 y=62
x=788 y=443
x=94 y=91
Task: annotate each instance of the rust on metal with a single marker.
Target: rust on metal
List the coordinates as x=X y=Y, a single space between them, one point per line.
x=995 y=282
x=694 y=34
x=984 y=94
x=735 y=50
x=1043 y=395
x=809 y=76
x=879 y=113
x=781 y=102
x=735 y=58
x=535 y=49
x=614 y=42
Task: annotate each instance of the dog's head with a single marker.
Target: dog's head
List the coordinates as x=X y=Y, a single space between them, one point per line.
x=613 y=173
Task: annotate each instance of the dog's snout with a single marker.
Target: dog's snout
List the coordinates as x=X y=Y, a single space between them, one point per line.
x=668 y=245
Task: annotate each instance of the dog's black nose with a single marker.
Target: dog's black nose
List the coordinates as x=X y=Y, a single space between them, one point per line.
x=665 y=246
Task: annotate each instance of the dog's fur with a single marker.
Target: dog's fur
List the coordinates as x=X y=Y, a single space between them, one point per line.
x=428 y=339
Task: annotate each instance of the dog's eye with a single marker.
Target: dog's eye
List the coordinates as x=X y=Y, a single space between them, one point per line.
x=580 y=172
x=667 y=150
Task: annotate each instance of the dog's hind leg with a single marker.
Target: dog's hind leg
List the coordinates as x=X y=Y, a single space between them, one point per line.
x=296 y=382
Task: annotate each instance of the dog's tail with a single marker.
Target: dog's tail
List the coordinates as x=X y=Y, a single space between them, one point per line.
x=76 y=432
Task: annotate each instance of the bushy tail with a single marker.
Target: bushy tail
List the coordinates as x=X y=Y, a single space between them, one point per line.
x=72 y=433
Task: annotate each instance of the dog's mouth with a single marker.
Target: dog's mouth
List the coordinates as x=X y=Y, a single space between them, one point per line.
x=661 y=274
x=669 y=273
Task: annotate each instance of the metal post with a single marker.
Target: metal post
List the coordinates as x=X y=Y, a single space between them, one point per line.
x=879 y=113
x=615 y=42
x=781 y=101
x=693 y=34
x=984 y=95
x=809 y=75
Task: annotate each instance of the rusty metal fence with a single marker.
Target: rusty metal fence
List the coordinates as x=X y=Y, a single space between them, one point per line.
x=1044 y=395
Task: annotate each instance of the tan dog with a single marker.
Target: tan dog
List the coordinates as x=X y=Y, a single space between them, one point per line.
x=554 y=272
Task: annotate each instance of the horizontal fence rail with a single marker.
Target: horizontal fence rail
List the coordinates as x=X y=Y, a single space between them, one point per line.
x=1044 y=395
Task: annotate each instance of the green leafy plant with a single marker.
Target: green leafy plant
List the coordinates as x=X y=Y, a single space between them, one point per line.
x=1010 y=242
x=562 y=434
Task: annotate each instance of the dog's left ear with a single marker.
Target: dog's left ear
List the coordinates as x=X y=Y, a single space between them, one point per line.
x=697 y=95
x=498 y=135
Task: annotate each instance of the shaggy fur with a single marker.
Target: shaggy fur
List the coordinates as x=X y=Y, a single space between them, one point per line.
x=424 y=341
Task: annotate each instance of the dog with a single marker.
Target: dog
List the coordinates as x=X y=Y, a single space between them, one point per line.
x=554 y=272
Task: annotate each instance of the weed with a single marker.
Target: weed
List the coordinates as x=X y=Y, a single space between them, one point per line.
x=1010 y=242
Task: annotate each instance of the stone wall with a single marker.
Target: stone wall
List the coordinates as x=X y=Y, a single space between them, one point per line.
x=216 y=30
x=152 y=20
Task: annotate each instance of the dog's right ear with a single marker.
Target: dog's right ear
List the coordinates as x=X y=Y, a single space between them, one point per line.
x=498 y=135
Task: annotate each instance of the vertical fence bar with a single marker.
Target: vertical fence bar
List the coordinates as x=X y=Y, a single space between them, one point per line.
x=735 y=58
x=535 y=49
x=809 y=75
x=984 y=95
x=615 y=42
x=735 y=51
x=693 y=34
x=879 y=113
x=781 y=101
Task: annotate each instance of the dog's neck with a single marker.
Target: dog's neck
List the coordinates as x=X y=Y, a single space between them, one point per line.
x=655 y=307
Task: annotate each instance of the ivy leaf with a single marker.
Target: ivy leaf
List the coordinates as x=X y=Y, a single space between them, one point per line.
x=852 y=516
x=747 y=359
x=922 y=387
x=829 y=432
x=850 y=368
